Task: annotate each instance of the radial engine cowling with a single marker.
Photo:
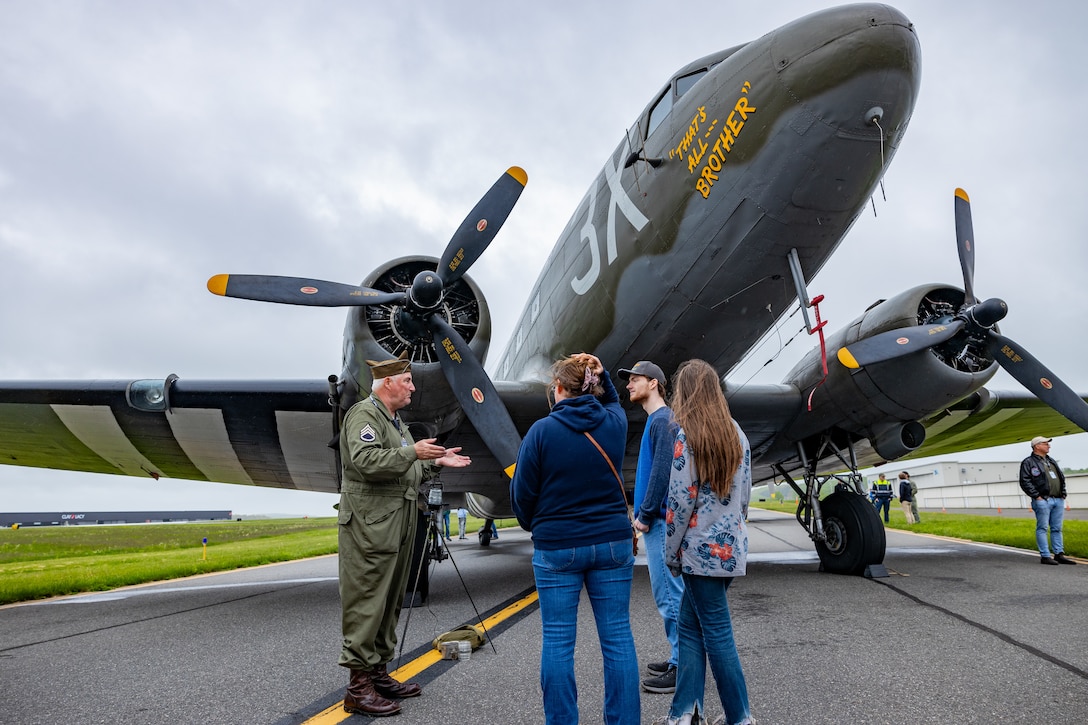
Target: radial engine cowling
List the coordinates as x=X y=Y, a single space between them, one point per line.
x=378 y=332
x=884 y=401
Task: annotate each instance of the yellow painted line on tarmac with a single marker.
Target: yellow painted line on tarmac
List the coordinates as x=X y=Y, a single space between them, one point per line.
x=336 y=713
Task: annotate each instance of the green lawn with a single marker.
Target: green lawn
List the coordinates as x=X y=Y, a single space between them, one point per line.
x=1005 y=530
x=49 y=561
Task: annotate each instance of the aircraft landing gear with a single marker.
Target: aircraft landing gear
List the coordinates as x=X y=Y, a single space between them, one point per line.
x=847 y=532
x=484 y=533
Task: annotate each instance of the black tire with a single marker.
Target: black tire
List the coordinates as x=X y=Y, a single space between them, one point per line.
x=855 y=536
x=485 y=536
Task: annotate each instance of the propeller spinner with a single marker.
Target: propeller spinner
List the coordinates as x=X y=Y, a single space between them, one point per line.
x=421 y=301
x=975 y=320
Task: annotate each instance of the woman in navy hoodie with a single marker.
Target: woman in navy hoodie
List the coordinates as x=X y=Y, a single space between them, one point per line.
x=565 y=492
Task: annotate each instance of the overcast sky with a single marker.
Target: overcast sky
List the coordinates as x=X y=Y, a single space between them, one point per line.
x=147 y=146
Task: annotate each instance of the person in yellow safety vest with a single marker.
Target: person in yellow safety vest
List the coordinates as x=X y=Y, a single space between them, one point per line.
x=882 y=490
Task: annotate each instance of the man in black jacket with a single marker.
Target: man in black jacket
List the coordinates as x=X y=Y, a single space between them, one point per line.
x=1042 y=479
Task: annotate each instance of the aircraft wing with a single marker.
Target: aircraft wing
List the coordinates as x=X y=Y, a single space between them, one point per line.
x=268 y=433
x=984 y=419
x=991 y=418
x=273 y=433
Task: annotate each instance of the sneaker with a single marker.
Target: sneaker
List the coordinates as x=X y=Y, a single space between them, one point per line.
x=1048 y=561
x=1061 y=558
x=657 y=668
x=663 y=683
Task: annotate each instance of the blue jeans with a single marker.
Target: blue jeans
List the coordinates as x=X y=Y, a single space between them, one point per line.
x=706 y=632
x=667 y=589
x=1048 y=514
x=885 y=503
x=605 y=572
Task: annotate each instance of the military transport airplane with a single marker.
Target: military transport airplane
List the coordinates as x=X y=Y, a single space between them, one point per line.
x=728 y=193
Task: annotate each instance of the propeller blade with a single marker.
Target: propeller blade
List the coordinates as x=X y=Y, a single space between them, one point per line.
x=481 y=225
x=896 y=343
x=965 y=243
x=476 y=393
x=298 y=291
x=1035 y=376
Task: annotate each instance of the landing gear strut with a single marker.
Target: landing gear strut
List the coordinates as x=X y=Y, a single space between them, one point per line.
x=484 y=533
x=847 y=532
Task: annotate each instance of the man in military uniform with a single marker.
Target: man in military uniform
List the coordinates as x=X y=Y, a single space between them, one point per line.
x=383 y=469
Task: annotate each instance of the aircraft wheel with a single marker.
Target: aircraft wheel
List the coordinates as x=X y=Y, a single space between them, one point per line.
x=855 y=536
x=485 y=536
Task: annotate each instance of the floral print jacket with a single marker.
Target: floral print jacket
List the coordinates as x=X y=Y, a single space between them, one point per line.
x=706 y=535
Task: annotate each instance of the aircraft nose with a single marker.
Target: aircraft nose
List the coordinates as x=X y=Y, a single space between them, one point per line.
x=871 y=50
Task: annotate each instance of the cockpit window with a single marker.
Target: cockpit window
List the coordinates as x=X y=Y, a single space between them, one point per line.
x=684 y=83
x=680 y=86
x=659 y=111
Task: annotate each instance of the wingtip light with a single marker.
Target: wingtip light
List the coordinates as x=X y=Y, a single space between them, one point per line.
x=217 y=285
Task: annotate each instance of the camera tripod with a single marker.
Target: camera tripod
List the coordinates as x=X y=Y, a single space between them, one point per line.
x=433 y=549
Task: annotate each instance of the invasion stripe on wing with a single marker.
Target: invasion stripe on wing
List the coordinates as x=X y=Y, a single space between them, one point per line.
x=304 y=439
x=202 y=434
x=97 y=429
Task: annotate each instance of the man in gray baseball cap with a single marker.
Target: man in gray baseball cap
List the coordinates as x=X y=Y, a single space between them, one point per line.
x=646 y=386
x=646 y=369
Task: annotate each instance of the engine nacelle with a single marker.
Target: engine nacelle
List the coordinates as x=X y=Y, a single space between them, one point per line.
x=896 y=440
x=377 y=332
x=883 y=401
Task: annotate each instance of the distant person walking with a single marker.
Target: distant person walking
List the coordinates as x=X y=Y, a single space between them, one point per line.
x=462 y=519
x=446 y=521
x=883 y=495
x=1042 y=479
x=906 y=497
x=913 y=498
x=707 y=541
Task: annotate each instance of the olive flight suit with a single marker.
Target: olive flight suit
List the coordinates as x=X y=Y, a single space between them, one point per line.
x=377 y=518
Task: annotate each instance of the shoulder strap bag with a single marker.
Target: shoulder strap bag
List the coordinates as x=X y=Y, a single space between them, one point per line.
x=623 y=491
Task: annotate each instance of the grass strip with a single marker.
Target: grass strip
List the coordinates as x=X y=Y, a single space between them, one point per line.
x=42 y=562
x=1014 y=531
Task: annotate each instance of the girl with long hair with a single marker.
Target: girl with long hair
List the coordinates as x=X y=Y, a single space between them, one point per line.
x=707 y=541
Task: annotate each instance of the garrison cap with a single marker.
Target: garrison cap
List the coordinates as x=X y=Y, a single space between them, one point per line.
x=386 y=368
x=646 y=368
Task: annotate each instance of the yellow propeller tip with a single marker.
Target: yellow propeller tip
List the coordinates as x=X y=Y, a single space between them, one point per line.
x=847 y=359
x=217 y=285
x=518 y=173
x=510 y=470
x=962 y=194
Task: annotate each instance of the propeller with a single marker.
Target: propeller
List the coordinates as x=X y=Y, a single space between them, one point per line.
x=422 y=301
x=975 y=320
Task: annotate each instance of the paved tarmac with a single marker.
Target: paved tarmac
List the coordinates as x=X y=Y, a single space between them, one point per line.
x=958 y=633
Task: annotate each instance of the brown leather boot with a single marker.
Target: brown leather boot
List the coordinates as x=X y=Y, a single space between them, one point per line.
x=361 y=696
x=388 y=687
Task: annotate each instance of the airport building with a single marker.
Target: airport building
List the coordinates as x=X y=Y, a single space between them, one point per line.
x=953 y=485
x=76 y=518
